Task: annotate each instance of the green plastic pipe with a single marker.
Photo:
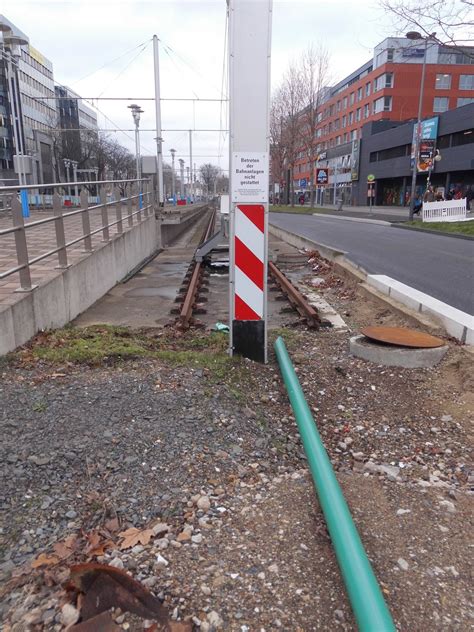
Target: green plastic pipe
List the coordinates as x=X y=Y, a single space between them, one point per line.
x=369 y=607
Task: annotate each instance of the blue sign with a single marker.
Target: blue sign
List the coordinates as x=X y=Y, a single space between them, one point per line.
x=303 y=183
x=429 y=128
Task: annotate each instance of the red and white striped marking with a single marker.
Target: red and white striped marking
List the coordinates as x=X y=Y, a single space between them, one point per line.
x=249 y=253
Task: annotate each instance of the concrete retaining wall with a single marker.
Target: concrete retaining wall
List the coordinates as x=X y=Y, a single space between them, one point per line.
x=174 y=224
x=59 y=300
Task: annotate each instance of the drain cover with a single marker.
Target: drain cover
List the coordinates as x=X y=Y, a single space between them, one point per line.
x=402 y=337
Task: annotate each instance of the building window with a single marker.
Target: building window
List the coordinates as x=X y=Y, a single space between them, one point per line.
x=338 y=140
x=338 y=106
x=384 y=104
x=367 y=89
x=351 y=118
x=465 y=101
x=344 y=120
x=389 y=54
x=366 y=111
x=344 y=103
x=443 y=82
x=359 y=94
x=440 y=104
x=354 y=134
x=384 y=81
x=352 y=97
x=358 y=114
x=466 y=82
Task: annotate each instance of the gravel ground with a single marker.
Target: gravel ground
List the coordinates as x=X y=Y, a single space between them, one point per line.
x=214 y=459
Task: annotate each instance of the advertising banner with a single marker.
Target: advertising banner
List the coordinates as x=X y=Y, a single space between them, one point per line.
x=428 y=132
x=355 y=160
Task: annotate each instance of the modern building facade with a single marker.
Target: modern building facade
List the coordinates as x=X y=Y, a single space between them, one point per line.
x=36 y=120
x=81 y=121
x=33 y=74
x=386 y=88
x=386 y=154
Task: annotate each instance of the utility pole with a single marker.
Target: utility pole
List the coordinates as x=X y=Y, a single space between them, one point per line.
x=159 y=140
x=181 y=172
x=188 y=182
x=173 y=183
x=191 y=163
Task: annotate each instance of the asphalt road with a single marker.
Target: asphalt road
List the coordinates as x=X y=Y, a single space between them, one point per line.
x=440 y=266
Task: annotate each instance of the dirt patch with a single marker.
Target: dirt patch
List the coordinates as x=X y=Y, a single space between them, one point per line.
x=212 y=451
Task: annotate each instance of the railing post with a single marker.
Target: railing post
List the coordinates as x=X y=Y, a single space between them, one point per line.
x=118 y=210
x=139 y=201
x=21 y=245
x=146 y=199
x=86 y=225
x=59 y=228
x=105 y=214
x=130 y=206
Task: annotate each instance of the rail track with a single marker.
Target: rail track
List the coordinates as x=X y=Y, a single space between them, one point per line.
x=195 y=283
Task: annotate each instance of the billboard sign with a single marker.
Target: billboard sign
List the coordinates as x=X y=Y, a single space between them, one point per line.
x=428 y=132
x=355 y=160
x=322 y=176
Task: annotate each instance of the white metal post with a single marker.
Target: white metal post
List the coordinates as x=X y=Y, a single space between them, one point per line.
x=159 y=140
x=249 y=84
x=191 y=163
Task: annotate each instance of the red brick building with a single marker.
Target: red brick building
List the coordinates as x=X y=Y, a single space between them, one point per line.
x=388 y=87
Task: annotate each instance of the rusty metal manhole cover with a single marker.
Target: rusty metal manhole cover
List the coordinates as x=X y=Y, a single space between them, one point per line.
x=402 y=337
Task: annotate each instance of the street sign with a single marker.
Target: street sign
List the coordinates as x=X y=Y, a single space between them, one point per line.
x=303 y=183
x=249 y=177
x=370 y=177
x=322 y=176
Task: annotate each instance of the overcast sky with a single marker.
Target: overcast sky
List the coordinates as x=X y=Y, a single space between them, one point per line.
x=80 y=37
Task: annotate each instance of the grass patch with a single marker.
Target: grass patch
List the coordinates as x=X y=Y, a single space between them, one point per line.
x=300 y=210
x=105 y=344
x=459 y=228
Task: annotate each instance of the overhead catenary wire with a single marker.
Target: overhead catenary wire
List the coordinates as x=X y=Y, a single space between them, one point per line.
x=144 y=47
x=108 y=63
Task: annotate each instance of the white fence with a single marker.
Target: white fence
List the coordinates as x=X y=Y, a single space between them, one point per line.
x=447 y=211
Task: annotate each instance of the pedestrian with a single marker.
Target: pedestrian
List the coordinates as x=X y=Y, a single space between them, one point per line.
x=429 y=195
x=302 y=199
x=470 y=197
x=439 y=196
x=418 y=205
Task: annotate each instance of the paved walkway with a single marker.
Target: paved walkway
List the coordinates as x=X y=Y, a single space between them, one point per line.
x=41 y=239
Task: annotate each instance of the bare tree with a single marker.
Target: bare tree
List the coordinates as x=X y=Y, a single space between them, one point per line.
x=314 y=73
x=277 y=146
x=209 y=174
x=448 y=22
x=289 y=100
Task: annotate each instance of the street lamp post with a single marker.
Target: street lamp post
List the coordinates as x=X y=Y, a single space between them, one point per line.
x=173 y=184
x=10 y=50
x=136 y=111
x=414 y=35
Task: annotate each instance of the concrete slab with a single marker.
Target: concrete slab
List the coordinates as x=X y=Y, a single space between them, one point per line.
x=387 y=355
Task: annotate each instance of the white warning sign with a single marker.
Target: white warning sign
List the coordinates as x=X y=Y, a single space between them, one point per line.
x=249 y=177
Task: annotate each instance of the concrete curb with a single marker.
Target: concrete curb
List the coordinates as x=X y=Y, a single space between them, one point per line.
x=432 y=232
x=411 y=302
x=458 y=324
x=405 y=357
x=380 y=222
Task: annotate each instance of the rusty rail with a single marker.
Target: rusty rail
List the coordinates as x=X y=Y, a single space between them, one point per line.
x=186 y=311
x=307 y=311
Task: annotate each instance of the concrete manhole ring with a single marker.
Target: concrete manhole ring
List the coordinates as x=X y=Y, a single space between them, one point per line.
x=387 y=355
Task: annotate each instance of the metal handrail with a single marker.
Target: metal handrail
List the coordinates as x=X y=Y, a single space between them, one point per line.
x=19 y=228
x=47 y=220
x=57 y=185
